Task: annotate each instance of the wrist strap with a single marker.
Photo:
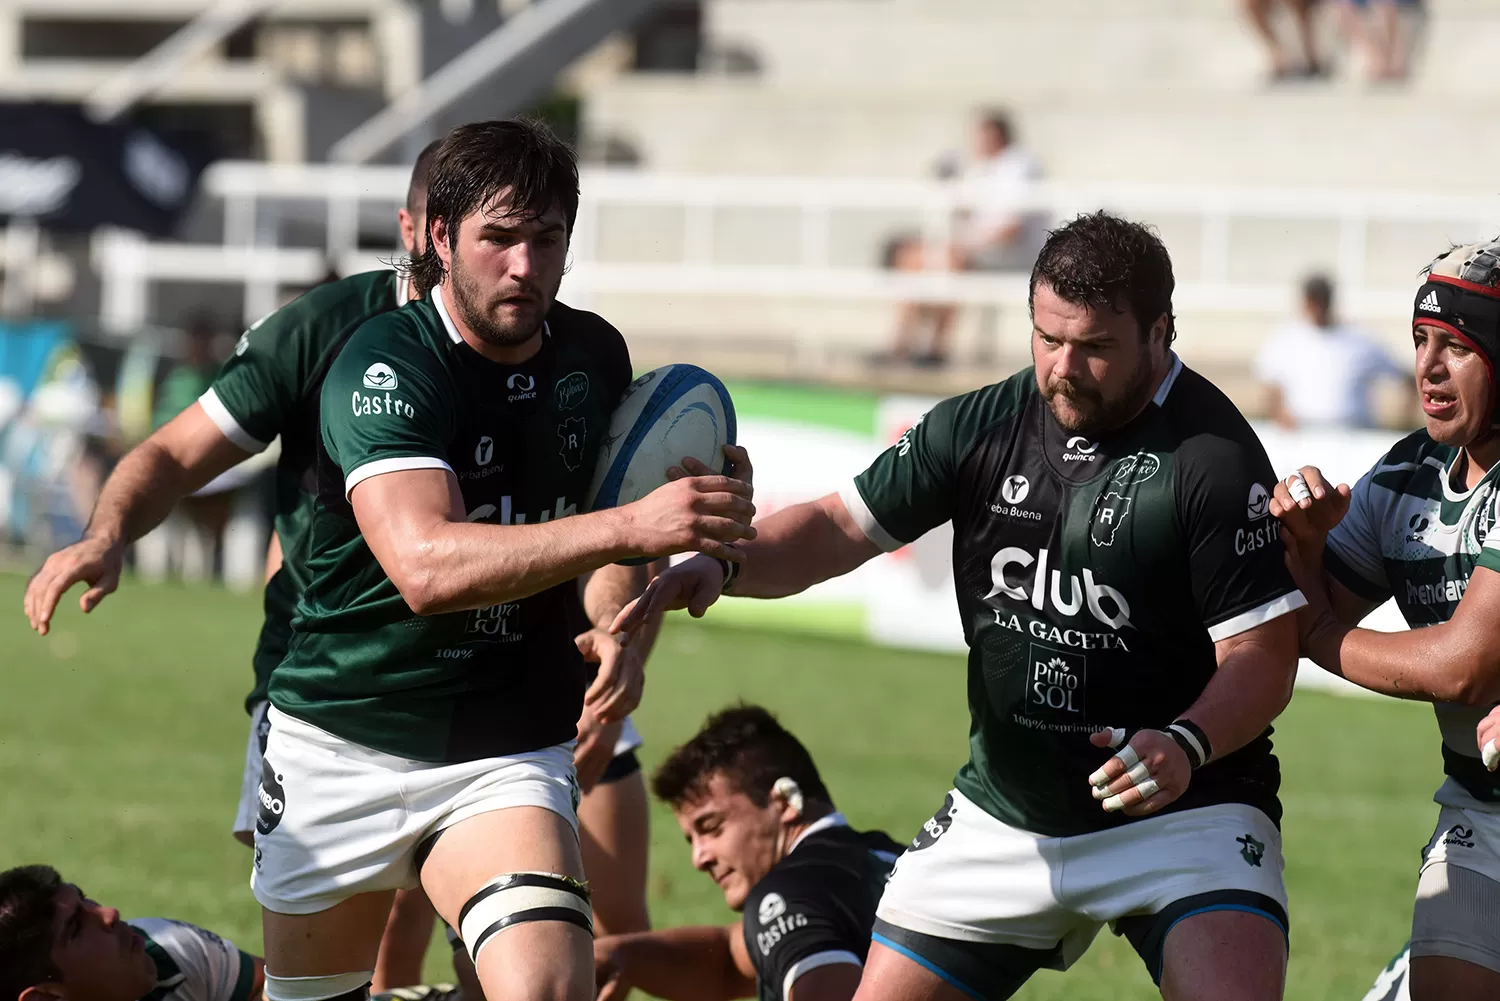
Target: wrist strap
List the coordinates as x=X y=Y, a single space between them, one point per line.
x=731 y=571
x=1193 y=741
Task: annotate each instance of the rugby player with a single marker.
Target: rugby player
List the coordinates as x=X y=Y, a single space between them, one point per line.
x=1420 y=527
x=761 y=824
x=423 y=719
x=268 y=388
x=1127 y=611
x=58 y=945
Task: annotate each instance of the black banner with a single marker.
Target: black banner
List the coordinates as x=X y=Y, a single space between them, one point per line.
x=71 y=173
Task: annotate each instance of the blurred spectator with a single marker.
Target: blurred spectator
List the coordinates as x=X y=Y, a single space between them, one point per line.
x=190 y=377
x=1375 y=29
x=998 y=233
x=1308 y=65
x=1320 y=373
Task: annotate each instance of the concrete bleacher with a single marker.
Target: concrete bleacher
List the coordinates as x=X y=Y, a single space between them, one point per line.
x=1157 y=91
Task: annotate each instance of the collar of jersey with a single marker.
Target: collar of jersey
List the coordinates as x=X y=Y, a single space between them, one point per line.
x=834 y=819
x=1166 y=384
x=453 y=334
x=1445 y=479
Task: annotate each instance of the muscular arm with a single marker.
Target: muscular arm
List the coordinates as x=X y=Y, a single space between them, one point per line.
x=1456 y=661
x=705 y=963
x=181 y=456
x=1251 y=687
x=800 y=546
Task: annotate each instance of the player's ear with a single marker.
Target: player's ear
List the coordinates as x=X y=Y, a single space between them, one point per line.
x=1158 y=332
x=43 y=992
x=408 y=230
x=441 y=238
x=788 y=791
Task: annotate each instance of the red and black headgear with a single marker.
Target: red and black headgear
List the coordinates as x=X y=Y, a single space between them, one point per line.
x=1462 y=296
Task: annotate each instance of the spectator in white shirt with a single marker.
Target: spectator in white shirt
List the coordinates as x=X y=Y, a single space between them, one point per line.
x=997 y=232
x=1318 y=373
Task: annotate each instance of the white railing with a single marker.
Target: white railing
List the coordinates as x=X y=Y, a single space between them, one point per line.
x=256 y=197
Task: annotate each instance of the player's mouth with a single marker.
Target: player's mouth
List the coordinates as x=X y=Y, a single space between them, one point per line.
x=134 y=940
x=1439 y=406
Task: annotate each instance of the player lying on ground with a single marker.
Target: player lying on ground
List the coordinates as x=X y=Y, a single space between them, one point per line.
x=422 y=723
x=1127 y=611
x=1420 y=527
x=761 y=824
x=58 y=945
x=270 y=388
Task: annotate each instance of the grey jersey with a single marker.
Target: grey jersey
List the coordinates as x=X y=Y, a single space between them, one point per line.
x=193 y=964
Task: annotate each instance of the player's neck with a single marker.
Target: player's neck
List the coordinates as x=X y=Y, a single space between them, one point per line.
x=1481 y=457
x=806 y=821
x=501 y=354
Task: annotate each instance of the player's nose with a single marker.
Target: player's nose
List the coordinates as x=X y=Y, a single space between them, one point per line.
x=110 y=916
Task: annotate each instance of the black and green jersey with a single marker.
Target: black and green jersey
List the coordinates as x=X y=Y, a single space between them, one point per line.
x=817 y=905
x=408 y=393
x=269 y=388
x=1093 y=578
x=1410 y=534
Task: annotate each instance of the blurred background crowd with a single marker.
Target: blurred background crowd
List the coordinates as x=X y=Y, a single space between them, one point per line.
x=818 y=196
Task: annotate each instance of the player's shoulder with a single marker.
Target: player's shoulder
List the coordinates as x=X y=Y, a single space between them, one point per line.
x=1415 y=464
x=827 y=863
x=568 y=322
x=330 y=310
x=413 y=335
x=969 y=415
x=177 y=938
x=1203 y=420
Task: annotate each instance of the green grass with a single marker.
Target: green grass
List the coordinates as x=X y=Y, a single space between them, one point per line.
x=121 y=740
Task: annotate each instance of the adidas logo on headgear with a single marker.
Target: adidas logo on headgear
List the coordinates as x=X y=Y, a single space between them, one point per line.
x=1430 y=303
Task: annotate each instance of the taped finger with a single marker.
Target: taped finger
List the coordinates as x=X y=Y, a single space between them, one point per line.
x=1147 y=789
x=1114 y=804
x=1491 y=755
x=1127 y=758
x=1297 y=487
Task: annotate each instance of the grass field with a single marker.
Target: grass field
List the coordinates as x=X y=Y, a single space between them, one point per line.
x=121 y=741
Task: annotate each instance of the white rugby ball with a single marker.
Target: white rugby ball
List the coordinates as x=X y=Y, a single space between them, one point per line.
x=666 y=415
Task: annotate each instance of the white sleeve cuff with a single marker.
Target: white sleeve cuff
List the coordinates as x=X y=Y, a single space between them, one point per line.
x=854 y=502
x=380 y=466
x=1245 y=621
x=833 y=957
x=227 y=425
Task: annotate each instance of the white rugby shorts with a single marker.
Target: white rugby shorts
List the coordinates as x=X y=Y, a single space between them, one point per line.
x=337 y=819
x=981 y=881
x=255 y=747
x=630 y=738
x=1457 y=913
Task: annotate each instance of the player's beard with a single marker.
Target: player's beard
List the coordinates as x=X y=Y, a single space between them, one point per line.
x=480 y=307
x=1091 y=413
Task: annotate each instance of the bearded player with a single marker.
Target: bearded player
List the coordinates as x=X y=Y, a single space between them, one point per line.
x=1127 y=611
x=1420 y=527
x=423 y=719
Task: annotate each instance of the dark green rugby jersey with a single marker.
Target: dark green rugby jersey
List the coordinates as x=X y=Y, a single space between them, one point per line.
x=1411 y=534
x=406 y=393
x=1093 y=578
x=269 y=388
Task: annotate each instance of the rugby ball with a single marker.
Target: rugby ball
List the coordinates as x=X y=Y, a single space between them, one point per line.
x=666 y=415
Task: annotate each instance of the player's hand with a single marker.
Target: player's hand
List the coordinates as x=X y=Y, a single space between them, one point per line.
x=1308 y=506
x=693 y=584
x=595 y=748
x=697 y=510
x=94 y=561
x=1489 y=739
x=609 y=979
x=617 y=687
x=1148 y=773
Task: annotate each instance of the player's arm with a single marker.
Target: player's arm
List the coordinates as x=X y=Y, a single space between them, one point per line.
x=907 y=491
x=604 y=593
x=705 y=963
x=1455 y=661
x=179 y=457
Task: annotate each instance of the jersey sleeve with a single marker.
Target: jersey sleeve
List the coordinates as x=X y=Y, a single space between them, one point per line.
x=912 y=486
x=385 y=405
x=791 y=929
x=1235 y=557
x=261 y=382
x=1352 y=556
x=211 y=968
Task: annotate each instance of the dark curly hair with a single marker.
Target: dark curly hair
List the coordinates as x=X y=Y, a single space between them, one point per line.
x=749 y=747
x=28 y=903
x=478 y=160
x=1102 y=261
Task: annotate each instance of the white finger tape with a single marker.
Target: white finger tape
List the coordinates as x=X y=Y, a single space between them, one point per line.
x=1297 y=486
x=1139 y=774
x=1116 y=736
x=1126 y=757
x=1148 y=789
x=1114 y=804
x=1491 y=755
